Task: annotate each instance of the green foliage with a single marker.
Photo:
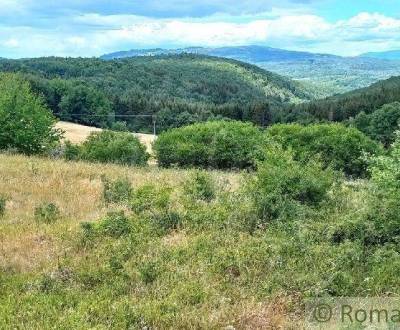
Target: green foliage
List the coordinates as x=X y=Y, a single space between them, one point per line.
x=47 y=213
x=338 y=146
x=200 y=186
x=148 y=272
x=379 y=222
x=120 y=126
x=345 y=106
x=25 y=123
x=89 y=233
x=71 y=151
x=3 y=202
x=327 y=239
x=114 y=147
x=117 y=191
x=380 y=125
x=282 y=185
x=181 y=88
x=86 y=105
x=155 y=203
x=219 y=144
x=115 y=224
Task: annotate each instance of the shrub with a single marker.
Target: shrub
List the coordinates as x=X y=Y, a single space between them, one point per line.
x=200 y=186
x=47 y=213
x=3 y=202
x=217 y=144
x=119 y=126
x=71 y=151
x=155 y=203
x=338 y=146
x=380 y=125
x=379 y=222
x=114 y=147
x=117 y=191
x=26 y=125
x=282 y=184
x=115 y=224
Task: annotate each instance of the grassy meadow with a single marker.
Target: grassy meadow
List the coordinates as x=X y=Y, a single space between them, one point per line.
x=223 y=226
x=211 y=271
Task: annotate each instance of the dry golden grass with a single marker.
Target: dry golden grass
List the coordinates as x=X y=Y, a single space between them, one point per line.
x=76 y=133
x=76 y=188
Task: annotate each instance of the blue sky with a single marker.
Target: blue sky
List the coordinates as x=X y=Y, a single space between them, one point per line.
x=31 y=28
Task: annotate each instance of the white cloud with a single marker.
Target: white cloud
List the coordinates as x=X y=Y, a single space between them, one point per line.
x=95 y=34
x=11 y=43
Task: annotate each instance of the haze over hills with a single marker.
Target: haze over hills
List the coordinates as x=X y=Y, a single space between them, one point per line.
x=389 y=55
x=241 y=53
x=325 y=74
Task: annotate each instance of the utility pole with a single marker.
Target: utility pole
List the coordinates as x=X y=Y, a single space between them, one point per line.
x=154 y=126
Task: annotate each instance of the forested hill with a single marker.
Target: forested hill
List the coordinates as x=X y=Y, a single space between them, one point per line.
x=345 y=106
x=180 y=89
x=326 y=74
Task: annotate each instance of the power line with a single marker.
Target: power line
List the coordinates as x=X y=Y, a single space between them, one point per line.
x=110 y=115
x=154 y=117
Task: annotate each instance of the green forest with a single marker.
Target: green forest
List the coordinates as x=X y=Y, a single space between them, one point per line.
x=179 y=90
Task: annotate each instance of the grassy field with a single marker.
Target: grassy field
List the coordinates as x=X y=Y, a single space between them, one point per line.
x=48 y=280
x=76 y=133
x=210 y=271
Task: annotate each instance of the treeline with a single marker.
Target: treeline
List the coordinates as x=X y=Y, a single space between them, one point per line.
x=180 y=89
x=344 y=106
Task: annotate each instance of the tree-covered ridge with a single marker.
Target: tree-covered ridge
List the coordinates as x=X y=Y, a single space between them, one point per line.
x=180 y=89
x=325 y=74
x=344 y=106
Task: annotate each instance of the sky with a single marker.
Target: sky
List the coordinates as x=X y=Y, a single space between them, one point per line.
x=33 y=28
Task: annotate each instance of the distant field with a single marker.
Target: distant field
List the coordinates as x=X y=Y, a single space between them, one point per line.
x=78 y=133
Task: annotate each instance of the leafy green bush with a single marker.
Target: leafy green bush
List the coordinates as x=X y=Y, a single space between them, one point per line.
x=120 y=126
x=338 y=146
x=117 y=191
x=217 y=144
x=3 y=202
x=25 y=123
x=115 y=224
x=379 y=222
x=282 y=185
x=380 y=125
x=155 y=203
x=200 y=186
x=71 y=151
x=114 y=147
x=47 y=213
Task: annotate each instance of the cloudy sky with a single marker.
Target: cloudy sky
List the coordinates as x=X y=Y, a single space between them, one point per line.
x=31 y=28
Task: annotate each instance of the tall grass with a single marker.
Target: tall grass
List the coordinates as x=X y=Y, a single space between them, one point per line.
x=213 y=269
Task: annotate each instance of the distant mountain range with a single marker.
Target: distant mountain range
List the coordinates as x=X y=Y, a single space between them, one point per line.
x=242 y=53
x=324 y=73
x=390 y=55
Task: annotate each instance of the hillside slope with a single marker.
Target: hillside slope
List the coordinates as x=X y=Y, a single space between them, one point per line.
x=345 y=106
x=389 y=55
x=179 y=88
x=242 y=53
x=326 y=74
